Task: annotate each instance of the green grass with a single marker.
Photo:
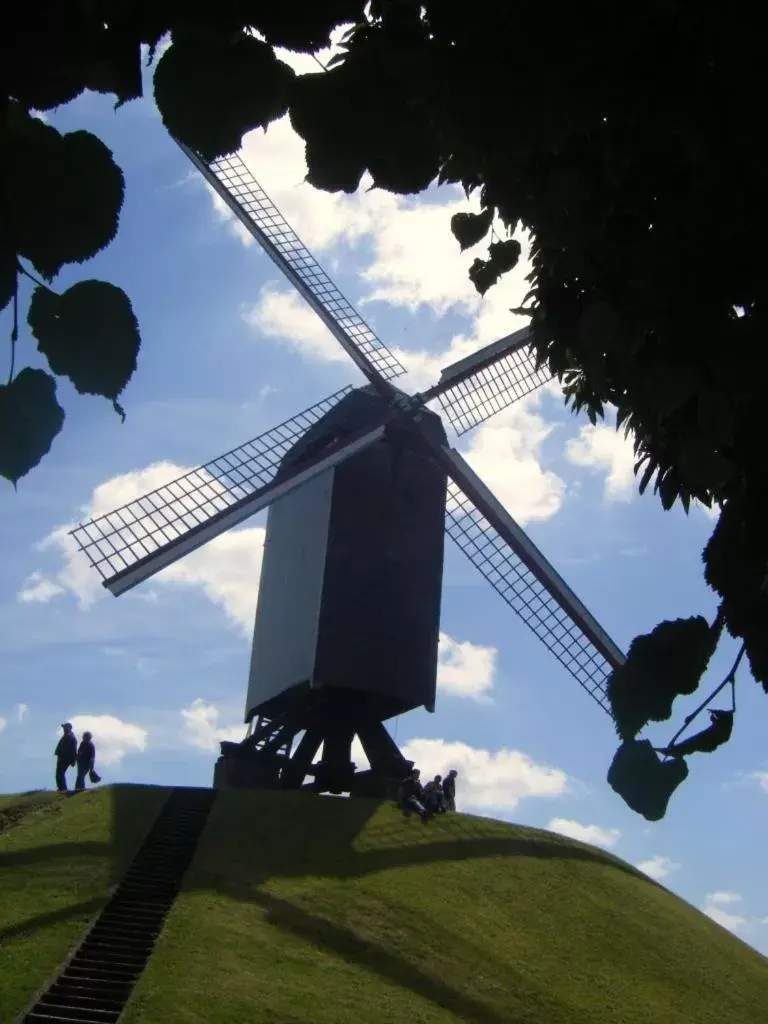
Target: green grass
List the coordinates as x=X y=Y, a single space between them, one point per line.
x=324 y=911
x=59 y=856
x=301 y=909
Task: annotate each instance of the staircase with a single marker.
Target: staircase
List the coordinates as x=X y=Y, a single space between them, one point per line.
x=96 y=982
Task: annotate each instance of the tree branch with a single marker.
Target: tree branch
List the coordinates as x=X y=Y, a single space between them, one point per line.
x=14 y=329
x=730 y=678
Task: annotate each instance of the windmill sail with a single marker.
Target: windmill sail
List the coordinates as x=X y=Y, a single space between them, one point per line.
x=232 y=180
x=530 y=585
x=477 y=387
x=137 y=540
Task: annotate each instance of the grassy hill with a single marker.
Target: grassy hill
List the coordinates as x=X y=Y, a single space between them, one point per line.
x=58 y=858
x=306 y=909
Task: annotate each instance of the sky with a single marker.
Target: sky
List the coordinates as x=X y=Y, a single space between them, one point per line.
x=159 y=675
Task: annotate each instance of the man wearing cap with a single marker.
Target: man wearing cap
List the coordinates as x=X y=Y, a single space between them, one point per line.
x=66 y=756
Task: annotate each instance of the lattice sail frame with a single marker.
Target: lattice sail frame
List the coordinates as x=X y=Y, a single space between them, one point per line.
x=297 y=262
x=118 y=540
x=492 y=388
x=526 y=595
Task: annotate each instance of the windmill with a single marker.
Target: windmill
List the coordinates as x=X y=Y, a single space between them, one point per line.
x=361 y=489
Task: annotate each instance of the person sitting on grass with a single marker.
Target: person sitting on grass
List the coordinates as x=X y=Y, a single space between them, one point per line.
x=434 y=800
x=412 y=795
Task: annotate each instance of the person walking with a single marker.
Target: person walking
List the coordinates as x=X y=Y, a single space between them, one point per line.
x=66 y=756
x=449 y=790
x=86 y=759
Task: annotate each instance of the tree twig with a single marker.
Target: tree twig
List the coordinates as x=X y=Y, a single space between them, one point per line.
x=730 y=678
x=15 y=328
x=32 y=277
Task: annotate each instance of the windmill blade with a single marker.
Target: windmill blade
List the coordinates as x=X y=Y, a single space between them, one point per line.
x=144 y=536
x=473 y=389
x=533 y=588
x=231 y=179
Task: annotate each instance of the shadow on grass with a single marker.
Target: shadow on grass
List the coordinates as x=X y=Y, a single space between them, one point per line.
x=375 y=958
x=77 y=910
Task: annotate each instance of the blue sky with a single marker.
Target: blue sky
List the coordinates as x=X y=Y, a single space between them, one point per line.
x=160 y=673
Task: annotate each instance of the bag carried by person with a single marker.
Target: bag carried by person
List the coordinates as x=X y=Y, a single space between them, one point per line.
x=94 y=776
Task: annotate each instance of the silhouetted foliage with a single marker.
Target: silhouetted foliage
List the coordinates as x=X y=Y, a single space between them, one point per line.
x=643 y=781
x=661 y=665
x=626 y=141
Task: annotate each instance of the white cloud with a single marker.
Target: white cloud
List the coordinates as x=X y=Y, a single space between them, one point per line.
x=112 y=737
x=3 y=723
x=602 y=448
x=465 y=669
x=504 y=453
x=201 y=727
x=761 y=778
x=227 y=568
x=38 y=589
x=77 y=577
x=487 y=779
x=593 y=834
x=713 y=904
x=658 y=867
x=286 y=316
x=724 y=896
x=21 y=711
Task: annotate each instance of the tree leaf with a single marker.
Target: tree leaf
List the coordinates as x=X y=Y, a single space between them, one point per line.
x=298 y=25
x=30 y=418
x=8 y=271
x=211 y=90
x=88 y=334
x=648 y=472
x=660 y=665
x=482 y=275
x=735 y=567
x=65 y=194
x=643 y=782
x=333 y=168
x=322 y=105
x=48 y=60
x=116 y=64
x=470 y=228
x=407 y=162
x=599 y=327
x=704 y=468
x=504 y=255
x=668 y=487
